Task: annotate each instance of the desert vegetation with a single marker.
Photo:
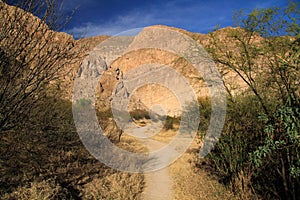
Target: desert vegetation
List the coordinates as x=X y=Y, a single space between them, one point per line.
x=42 y=156
x=258 y=153
x=256 y=157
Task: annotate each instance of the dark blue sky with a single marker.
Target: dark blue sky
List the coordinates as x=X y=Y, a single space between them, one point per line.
x=109 y=17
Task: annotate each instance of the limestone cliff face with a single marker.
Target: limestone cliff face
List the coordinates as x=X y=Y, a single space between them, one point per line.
x=109 y=84
x=97 y=58
x=114 y=78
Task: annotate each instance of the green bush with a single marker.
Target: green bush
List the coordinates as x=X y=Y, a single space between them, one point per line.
x=205 y=113
x=277 y=160
x=259 y=147
x=259 y=152
x=242 y=133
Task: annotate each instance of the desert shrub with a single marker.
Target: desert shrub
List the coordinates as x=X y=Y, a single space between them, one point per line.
x=259 y=148
x=169 y=123
x=256 y=154
x=48 y=146
x=31 y=58
x=49 y=161
x=241 y=134
x=277 y=160
x=205 y=113
x=139 y=114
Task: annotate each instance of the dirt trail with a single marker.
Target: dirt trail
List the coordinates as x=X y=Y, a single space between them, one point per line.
x=182 y=179
x=159 y=183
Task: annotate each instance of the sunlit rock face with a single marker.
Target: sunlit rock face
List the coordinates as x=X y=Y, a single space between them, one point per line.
x=96 y=64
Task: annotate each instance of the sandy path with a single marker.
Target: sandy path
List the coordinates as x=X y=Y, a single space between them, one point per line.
x=159 y=184
x=181 y=180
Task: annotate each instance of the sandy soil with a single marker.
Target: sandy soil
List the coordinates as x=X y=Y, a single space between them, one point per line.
x=181 y=180
x=159 y=184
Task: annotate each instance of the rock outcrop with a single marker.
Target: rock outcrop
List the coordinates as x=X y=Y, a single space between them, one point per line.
x=103 y=58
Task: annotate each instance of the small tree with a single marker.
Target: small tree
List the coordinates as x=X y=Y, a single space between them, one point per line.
x=265 y=53
x=32 y=56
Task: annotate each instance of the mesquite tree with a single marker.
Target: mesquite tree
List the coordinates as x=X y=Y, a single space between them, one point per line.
x=264 y=52
x=32 y=57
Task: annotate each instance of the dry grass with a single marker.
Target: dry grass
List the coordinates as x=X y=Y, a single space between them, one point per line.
x=57 y=166
x=164 y=136
x=191 y=182
x=47 y=189
x=131 y=144
x=116 y=186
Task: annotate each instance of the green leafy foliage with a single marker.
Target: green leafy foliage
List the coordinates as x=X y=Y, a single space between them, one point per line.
x=259 y=148
x=242 y=133
x=281 y=149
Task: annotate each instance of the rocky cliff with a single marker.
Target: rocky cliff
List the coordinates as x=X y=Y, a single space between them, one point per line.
x=115 y=72
x=98 y=62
